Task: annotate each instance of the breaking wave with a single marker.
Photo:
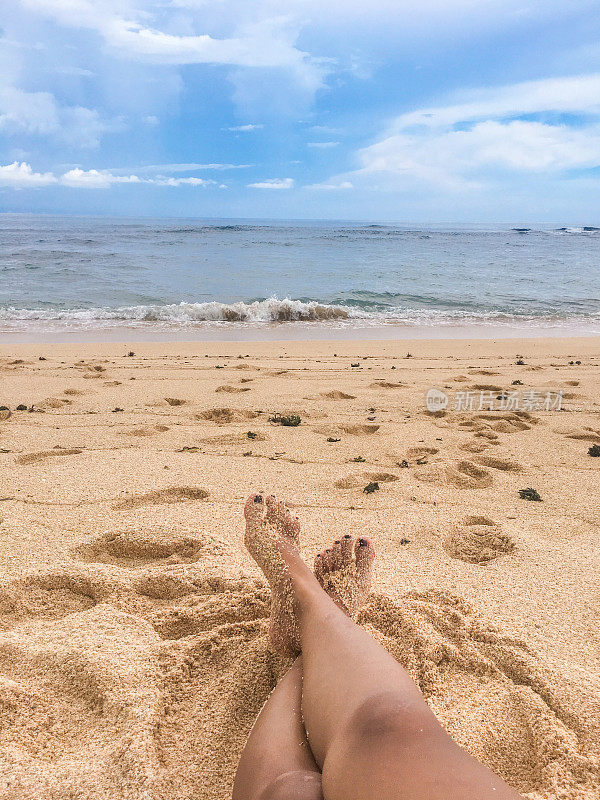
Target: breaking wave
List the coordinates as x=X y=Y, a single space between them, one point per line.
x=274 y=311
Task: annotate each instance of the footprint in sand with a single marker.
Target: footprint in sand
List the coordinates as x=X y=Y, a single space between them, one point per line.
x=46 y=596
x=73 y=392
x=134 y=548
x=584 y=434
x=5 y=414
x=232 y=389
x=386 y=385
x=502 y=464
x=359 y=480
x=335 y=394
x=233 y=438
x=474 y=446
x=359 y=430
x=485 y=372
x=174 y=494
x=486 y=387
x=463 y=474
x=420 y=452
x=54 y=402
x=147 y=431
x=224 y=416
x=32 y=458
x=479 y=541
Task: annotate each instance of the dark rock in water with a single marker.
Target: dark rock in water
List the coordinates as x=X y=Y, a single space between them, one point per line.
x=521 y=230
x=590 y=228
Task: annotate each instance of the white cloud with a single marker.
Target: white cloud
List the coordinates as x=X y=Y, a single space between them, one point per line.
x=245 y=128
x=464 y=145
x=191 y=167
x=273 y=183
x=94 y=179
x=162 y=181
x=38 y=114
x=21 y=176
x=577 y=94
x=267 y=43
x=150 y=119
x=322 y=145
x=331 y=187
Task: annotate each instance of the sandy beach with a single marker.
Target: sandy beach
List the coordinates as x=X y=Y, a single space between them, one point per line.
x=133 y=648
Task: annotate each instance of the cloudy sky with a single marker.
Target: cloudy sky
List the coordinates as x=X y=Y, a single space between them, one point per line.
x=437 y=111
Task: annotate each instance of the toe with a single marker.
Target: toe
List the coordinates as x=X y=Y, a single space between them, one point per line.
x=272 y=508
x=365 y=554
x=327 y=560
x=254 y=508
x=336 y=555
x=346 y=549
x=318 y=568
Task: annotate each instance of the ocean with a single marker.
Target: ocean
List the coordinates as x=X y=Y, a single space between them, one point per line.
x=68 y=276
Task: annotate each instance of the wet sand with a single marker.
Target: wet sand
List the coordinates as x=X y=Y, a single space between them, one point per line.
x=133 y=647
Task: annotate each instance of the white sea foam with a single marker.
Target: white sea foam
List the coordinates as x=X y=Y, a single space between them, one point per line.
x=261 y=312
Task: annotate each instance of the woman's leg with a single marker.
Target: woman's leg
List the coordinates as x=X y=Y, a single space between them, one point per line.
x=277 y=763
x=369 y=727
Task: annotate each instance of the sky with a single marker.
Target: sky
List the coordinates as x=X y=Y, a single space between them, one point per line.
x=438 y=111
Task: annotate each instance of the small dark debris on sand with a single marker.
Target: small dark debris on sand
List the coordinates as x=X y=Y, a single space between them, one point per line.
x=529 y=494
x=371 y=487
x=288 y=421
x=594 y=451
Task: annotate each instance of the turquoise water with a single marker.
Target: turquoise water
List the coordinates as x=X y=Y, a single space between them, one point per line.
x=89 y=273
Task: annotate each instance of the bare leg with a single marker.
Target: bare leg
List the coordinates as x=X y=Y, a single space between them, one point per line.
x=277 y=762
x=369 y=727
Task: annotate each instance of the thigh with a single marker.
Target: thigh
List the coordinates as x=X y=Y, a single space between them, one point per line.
x=386 y=754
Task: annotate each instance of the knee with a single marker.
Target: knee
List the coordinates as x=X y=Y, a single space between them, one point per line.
x=391 y=717
x=297 y=785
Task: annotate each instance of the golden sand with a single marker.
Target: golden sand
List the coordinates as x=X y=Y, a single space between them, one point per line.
x=133 y=624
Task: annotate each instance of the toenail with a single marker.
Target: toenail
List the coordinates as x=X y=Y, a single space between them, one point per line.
x=258 y=499
x=362 y=542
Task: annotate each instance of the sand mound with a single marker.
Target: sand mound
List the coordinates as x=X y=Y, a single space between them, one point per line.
x=154 y=700
x=335 y=394
x=174 y=401
x=232 y=389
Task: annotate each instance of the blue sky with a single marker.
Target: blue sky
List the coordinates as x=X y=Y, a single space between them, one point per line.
x=441 y=111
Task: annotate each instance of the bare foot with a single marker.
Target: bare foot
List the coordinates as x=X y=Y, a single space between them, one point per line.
x=345 y=570
x=268 y=522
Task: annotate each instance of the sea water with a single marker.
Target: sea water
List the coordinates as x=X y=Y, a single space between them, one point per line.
x=74 y=274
